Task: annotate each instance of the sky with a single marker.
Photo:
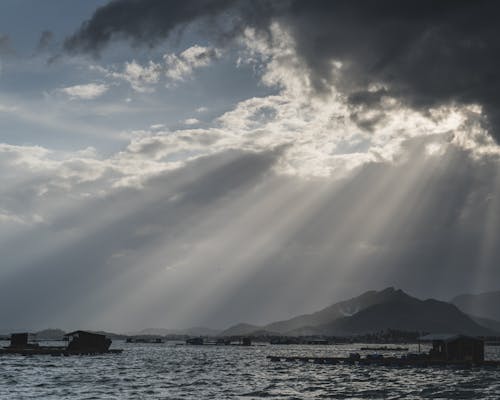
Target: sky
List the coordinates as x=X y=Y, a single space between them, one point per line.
x=174 y=163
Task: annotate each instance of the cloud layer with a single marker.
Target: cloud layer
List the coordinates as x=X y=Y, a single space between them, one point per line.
x=140 y=21
x=426 y=55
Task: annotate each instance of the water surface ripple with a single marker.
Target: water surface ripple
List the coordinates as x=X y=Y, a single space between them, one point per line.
x=167 y=371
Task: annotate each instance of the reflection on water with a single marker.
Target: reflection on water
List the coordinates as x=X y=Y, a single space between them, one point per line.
x=167 y=371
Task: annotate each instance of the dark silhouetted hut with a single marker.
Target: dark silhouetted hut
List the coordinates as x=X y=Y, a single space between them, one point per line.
x=19 y=339
x=195 y=341
x=87 y=342
x=455 y=348
x=80 y=343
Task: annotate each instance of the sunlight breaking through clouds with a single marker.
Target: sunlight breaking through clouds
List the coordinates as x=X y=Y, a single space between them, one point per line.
x=239 y=204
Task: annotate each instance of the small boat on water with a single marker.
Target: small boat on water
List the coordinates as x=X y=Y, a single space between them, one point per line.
x=79 y=343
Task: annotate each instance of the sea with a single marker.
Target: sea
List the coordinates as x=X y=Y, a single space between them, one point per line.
x=173 y=371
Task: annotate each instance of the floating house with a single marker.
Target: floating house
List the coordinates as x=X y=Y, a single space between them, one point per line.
x=80 y=343
x=453 y=348
x=87 y=342
x=21 y=340
x=197 y=341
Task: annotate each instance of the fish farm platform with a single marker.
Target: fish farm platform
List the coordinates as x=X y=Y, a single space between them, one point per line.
x=54 y=351
x=386 y=361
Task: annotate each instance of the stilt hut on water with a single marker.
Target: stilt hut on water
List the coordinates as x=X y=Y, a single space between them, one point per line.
x=447 y=347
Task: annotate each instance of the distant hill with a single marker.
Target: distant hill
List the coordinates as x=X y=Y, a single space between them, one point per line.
x=111 y=335
x=241 y=330
x=375 y=311
x=50 y=334
x=194 y=331
x=492 y=324
x=336 y=311
x=485 y=305
x=407 y=313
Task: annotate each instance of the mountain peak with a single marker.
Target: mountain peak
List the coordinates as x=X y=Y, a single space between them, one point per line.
x=341 y=309
x=393 y=290
x=388 y=294
x=372 y=311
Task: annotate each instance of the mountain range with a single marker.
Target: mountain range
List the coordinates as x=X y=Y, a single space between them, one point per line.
x=194 y=331
x=376 y=311
x=484 y=305
x=372 y=311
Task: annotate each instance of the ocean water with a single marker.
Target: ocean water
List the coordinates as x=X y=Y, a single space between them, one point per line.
x=168 y=371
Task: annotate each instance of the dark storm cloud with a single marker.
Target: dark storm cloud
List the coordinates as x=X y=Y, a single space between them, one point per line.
x=146 y=22
x=142 y=22
x=427 y=53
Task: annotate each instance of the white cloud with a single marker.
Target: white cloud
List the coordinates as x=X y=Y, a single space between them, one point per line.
x=191 y=121
x=317 y=134
x=85 y=92
x=26 y=220
x=7 y=108
x=8 y=218
x=175 y=67
x=141 y=78
x=180 y=67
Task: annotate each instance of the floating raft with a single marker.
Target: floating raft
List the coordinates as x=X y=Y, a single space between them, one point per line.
x=384 y=348
x=385 y=361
